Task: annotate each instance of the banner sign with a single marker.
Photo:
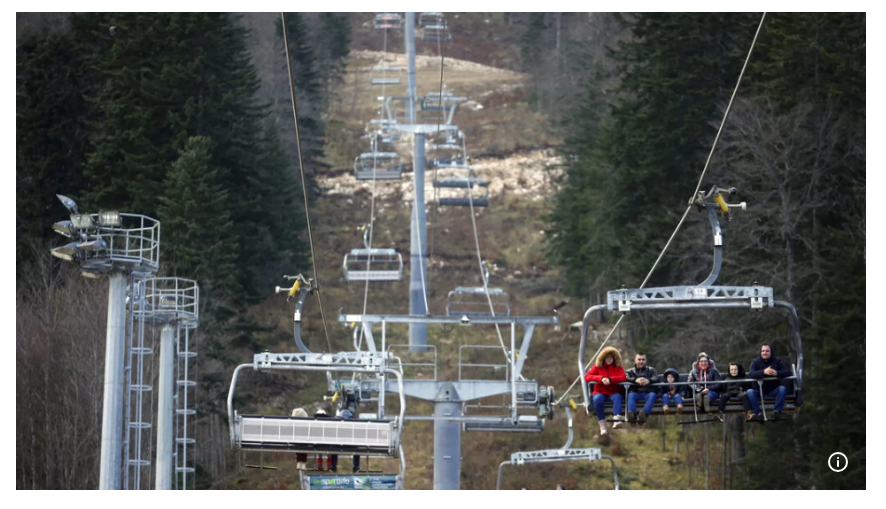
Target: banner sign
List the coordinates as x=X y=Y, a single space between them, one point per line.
x=351 y=482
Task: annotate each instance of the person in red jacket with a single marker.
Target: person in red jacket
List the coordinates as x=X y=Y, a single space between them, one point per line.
x=607 y=372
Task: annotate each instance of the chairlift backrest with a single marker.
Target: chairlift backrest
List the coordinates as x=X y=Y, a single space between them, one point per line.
x=388 y=21
x=472 y=301
x=378 y=166
x=385 y=75
x=427 y=19
x=332 y=435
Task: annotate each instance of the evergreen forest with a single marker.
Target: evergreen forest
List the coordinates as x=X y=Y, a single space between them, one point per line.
x=187 y=118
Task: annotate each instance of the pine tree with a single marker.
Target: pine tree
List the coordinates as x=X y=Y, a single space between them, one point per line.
x=309 y=96
x=193 y=78
x=51 y=133
x=199 y=241
x=332 y=43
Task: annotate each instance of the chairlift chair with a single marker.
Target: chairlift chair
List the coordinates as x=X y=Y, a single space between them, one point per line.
x=388 y=21
x=558 y=455
x=384 y=129
x=541 y=398
x=433 y=27
x=373 y=264
x=382 y=74
x=472 y=301
x=435 y=101
x=378 y=166
x=377 y=436
x=426 y=19
x=704 y=295
x=465 y=200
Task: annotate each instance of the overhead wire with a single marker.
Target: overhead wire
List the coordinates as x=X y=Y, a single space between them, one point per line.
x=373 y=144
x=691 y=200
x=304 y=185
x=464 y=156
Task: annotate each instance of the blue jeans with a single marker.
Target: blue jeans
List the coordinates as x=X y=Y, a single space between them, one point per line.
x=667 y=398
x=649 y=397
x=711 y=394
x=600 y=399
x=780 y=393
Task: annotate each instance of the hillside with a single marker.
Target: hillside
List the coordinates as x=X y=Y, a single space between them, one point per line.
x=510 y=155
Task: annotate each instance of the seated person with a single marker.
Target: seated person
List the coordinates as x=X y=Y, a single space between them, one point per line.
x=737 y=390
x=301 y=458
x=704 y=373
x=672 y=393
x=607 y=373
x=643 y=376
x=332 y=459
x=768 y=365
x=346 y=414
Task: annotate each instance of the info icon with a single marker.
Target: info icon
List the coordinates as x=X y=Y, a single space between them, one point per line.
x=838 y=462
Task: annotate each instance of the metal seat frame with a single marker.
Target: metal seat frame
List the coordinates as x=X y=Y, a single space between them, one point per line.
x=463 y=201
x=558 y=455
x=367 y=256
x=334 y=435
x=388 y=21
x=503 y=301
x=378 y=75
x=375 y=170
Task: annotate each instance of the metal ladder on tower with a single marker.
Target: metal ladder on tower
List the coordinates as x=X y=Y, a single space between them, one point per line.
x=183 y=382
x=133 y=445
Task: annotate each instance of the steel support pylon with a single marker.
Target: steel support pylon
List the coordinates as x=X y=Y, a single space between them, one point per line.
x=418 y=270
x=165 y=436
x=447 y=447
x=112 y=411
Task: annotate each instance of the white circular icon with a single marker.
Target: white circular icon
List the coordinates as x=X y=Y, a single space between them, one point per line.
x=839 y=463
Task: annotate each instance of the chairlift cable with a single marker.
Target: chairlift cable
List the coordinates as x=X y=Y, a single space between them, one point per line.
x=688 y=208
x=436 y=156
x=480 y=262
x=372 y=200
x=374 y=173
x=304 y=185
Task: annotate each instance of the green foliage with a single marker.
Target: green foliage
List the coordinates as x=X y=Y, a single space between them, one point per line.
x=198 y=234
x=332 y=45
x=793 y=142
x=173 y=76
x=50 y=131
x=310 y=98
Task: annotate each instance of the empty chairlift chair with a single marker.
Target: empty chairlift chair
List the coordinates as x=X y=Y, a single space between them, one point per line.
x=378 y=166
x=373 y=264
x=446 y=155
x=562 y=454
x=388 y=21
x=383 y=74
x=466 y=199
x=433 y=27
x=472 y=301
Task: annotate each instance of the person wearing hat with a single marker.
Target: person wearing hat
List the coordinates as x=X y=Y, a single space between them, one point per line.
x=672 y=393
x=346 y=414
x=607 y=373
x=704 y=372
x=768 y=365
x=301 y=458
x=332 y=460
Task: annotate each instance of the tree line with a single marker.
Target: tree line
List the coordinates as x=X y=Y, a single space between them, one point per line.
x=166 y=115
x=794 y=145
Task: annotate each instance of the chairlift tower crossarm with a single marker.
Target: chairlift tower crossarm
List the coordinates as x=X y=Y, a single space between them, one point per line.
x=448 y=396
